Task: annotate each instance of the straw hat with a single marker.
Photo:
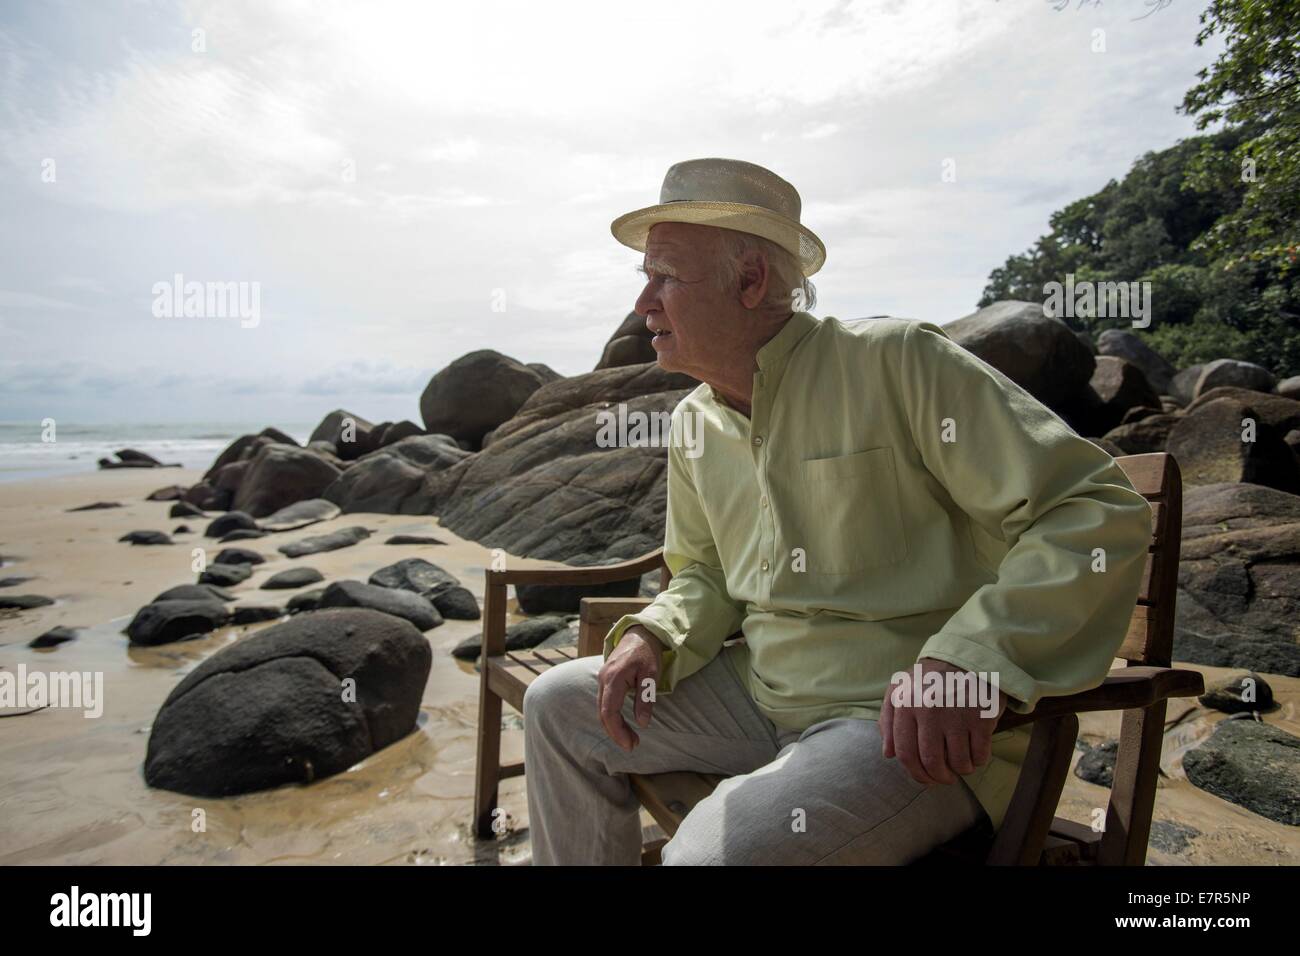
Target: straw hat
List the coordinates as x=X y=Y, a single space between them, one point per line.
x=732 y=194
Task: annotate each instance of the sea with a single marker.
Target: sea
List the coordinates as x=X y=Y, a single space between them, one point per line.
x=26 y=454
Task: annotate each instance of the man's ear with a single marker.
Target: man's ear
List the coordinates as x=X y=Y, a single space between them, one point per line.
x=754 y=277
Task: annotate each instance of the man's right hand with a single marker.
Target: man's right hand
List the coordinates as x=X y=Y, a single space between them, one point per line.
x=637 y=657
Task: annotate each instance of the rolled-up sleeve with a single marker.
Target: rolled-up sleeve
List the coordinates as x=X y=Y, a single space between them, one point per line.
x=1077 y=531
x=695 y=614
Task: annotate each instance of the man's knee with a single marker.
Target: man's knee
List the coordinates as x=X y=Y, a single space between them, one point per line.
x=566 y=691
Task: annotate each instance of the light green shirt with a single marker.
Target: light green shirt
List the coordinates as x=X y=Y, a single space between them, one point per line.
x=892 y=497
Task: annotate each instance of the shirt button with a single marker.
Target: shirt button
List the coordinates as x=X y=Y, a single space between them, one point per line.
x=765 y=565
x=763 y=501
x=758 y=439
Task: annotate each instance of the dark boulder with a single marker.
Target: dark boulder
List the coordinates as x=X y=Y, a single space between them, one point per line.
x=381 y=481
x=167 y=621
x=1254 y=765
x=281 y=475
x=475 y=394
x=292 y=578
x=296 y=702
x=343 y=538
x=228 y=522
x=403 y=604
x=146 y=537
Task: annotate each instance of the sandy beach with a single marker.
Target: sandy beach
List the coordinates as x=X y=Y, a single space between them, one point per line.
x=72 y=789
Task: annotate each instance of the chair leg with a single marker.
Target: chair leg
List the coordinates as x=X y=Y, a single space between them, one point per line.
x=1133 y=791
x=487 y=769
x=1020 y=839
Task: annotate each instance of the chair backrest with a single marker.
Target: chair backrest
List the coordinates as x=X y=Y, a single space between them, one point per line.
x=1150 y=636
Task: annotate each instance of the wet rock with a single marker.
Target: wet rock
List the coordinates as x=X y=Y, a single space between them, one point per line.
x=292 y=578
x=24 y=602
x=271 y=709
x=182 y=529
x=225 y=575
x=183 y=509
x=228 y=522
x=1243 y=692
x=167 y=621
x=54 y=637
x=166 y=493
x=306 y=601
x=403 y=604
x=300 y=514
x=343 y=538
x=238 y=556
x=97 y=506
x=1252 y=764
x=413 y=539
x=146 y=537
x=194 y=592
x=1097 y=765
x=254 y=613
x=457 y=604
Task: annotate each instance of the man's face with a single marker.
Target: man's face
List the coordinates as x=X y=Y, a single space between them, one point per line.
x=683 y=301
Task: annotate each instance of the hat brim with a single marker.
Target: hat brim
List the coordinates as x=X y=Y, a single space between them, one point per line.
x=633 y=228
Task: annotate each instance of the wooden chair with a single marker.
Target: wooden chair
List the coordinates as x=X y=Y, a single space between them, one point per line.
x=1030 y=834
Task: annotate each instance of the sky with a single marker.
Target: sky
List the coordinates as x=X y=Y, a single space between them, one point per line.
x=399 y=184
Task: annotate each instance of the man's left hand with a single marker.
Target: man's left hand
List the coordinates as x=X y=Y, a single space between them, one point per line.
x=936 y=743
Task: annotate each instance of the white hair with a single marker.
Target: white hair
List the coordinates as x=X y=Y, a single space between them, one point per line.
x=787 y=286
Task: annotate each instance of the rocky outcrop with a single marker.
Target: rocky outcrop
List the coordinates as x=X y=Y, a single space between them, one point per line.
x=381 y=481
x=544 y=488
x=1231 y=372
x=1037 y=352
x=1129 y=346
x=1239 y=579
x=1237 y=435
x=475 y=394
x=294 y=703
x=629 y=345
x=1254 y=765
x=281 y=475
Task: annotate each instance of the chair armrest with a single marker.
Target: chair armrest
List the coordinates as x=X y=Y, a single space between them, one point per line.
x=1127 y=688
x=564 y=574
x=596 y=615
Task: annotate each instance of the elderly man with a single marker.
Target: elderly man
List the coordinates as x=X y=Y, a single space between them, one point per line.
x=872 y=506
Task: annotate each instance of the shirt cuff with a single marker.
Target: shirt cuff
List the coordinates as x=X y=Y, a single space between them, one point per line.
x=1021 y=689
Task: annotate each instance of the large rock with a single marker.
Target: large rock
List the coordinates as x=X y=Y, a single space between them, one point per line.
x=1182 y=387
x=1036 y=351
x=245 y=447
x=629 y=345
x=440 y=588
x=475 y=394
x=1148 y=434
x=381 y=481
x=281 y=475
x=165 y=621
x=544 y=488
x=1129 y=346
x=1213 y=445
x=403 y=604
x=1289 y=387
x=1254 y=765
x=350 y=434
x=1117 y=387
x=1239 y=579
x=272 y=709
x=1232 y=372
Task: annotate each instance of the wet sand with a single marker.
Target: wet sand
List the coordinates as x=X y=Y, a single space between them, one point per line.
x=72 y=789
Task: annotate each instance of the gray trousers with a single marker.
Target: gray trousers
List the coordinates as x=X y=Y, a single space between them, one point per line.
x=821 y=796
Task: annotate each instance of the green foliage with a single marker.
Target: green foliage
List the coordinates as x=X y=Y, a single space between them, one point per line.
x=1213 y=223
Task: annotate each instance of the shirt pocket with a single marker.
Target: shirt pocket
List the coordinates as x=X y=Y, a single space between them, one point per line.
x=846 y=513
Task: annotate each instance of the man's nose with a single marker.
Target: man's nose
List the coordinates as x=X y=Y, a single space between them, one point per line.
x=647 y=301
